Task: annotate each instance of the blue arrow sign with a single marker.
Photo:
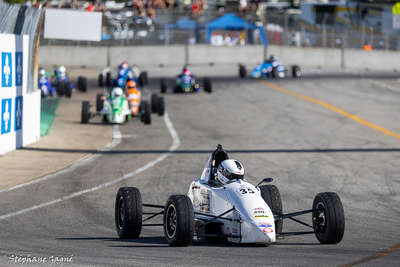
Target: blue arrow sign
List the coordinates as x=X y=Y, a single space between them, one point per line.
x=5 y=116
x=6 y=69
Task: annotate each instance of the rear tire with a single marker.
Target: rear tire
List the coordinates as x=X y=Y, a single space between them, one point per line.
x=128 y=212
x=161 y=106
x=274 y=72
x=82 y=84
x=178 y=221
x=68 y=90
x=143 y=78
x=242 y=71
x=296 y=72
x=154 y=103
x=146 y=117
x=99 y=102
x=60 y=88
x=272 y=197
x=108 y=79
x=101 y=80
x=329 y=220
x=163 y=85
x=207 y=85
x=85 y=112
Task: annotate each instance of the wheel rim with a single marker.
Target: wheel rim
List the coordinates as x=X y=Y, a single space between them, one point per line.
x=320 y=218
x=171 y=221
x=121 y=213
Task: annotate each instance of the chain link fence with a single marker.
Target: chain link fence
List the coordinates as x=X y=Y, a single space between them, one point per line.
x=178 y=26
x=15 y=19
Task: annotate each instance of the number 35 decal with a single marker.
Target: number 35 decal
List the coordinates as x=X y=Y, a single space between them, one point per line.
x=245 y=190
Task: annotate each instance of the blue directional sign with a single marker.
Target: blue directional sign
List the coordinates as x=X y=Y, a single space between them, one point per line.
x=5 y=116
x=18 y=68
x=18 y=113
x=6 y=69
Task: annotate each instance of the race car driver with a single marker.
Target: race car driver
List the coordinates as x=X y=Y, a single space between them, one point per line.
x=229 y=170
x=44 y=84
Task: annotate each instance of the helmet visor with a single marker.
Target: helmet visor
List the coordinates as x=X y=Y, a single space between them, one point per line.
x=229 y=175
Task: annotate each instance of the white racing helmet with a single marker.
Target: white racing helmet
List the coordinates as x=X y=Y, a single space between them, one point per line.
x=229 y=170
x=42 y=72
x=61 y=71
x=116 y=92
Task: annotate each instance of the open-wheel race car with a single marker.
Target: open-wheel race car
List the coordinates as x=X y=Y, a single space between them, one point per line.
x=118 y=108
x=271 y=68
x=122 y=75
x=222 y=204
x=185 y=83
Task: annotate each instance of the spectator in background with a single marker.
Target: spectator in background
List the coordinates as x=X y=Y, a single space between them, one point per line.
x=195 y=8
x=186 y=4
x=90 y=7
x=243 y=7
x=221 y=5
x=255 y=5
x=27 y=3
x=227 y=40
x=202 y=5
x=169 y=3
x=99 y=6
x=159 y=3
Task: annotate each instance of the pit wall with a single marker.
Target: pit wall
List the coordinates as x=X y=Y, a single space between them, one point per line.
x=177 y=55
x=20 y=111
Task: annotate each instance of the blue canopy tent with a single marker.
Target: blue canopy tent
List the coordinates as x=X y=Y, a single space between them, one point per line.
x=234 y=23
x=183 y=24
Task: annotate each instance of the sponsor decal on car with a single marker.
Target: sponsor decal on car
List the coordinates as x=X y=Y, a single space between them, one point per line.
x=228 y=232
x=259 y=210
x=261 y=216
x=264 y=224
x=267 y=230
x=205 y=203
x=234 y=230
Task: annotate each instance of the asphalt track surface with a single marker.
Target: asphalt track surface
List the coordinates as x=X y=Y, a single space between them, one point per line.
x=276 y=129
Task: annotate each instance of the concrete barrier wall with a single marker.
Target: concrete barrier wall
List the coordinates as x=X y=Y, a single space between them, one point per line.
x=204 y=54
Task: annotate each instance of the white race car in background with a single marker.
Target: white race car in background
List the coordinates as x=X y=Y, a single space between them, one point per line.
x=237 y=211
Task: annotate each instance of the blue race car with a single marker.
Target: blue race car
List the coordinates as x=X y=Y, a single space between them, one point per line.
x=185 y=83
x=124 y=74
x=61 y=81
x=271 y=68
x=44 y=84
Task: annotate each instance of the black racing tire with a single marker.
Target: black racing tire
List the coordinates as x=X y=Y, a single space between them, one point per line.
x=274 y=72
x=163 y=85
x=242 y=71
x=82 y=84
x=68 y=89
x=142 y=80
x=128 y=212
x=296 y=72
x=60 y=88
x=108 y=79
x=207 y=85
x=161 y=106
x=272 y=197
x=328 y=220
x=154 y=103
x=146 y=116
x=85 y=112
x=99 y=102
x=178 y=221
x=101 y=80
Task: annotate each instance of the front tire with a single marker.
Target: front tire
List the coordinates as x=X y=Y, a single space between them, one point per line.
x=128 y=212
x=85 y=112
x=154 y=103
x=207 y=85
x=163 y=85
x=328 y=219
x=146 y=117
x=296 y=72
x=161 y=106
x=82 y=84
x=101 y=80
x=68 y=90
x=272 y=197
x=242 y=71
x=178 y=221
x=274 y=72
x=99 y=102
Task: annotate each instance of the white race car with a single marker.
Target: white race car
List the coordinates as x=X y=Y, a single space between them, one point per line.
x=222 y=204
